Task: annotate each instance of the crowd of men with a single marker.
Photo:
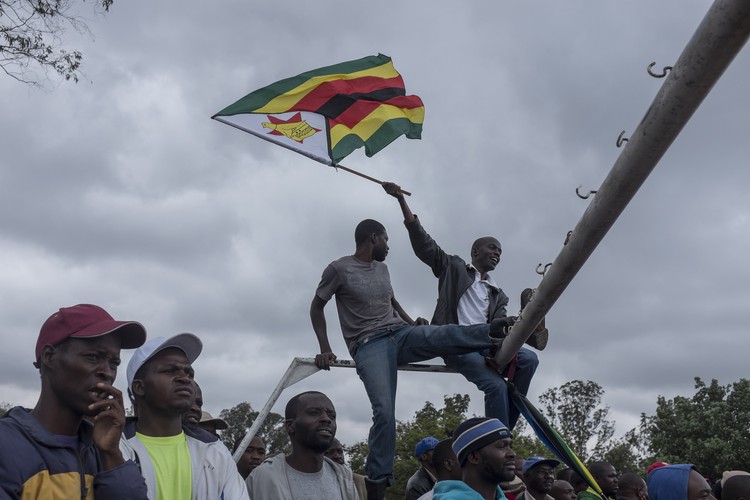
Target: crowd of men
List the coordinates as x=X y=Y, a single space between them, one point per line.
x=77 y=443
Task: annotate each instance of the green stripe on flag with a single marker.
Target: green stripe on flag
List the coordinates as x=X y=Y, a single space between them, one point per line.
x=261 y=97
x=386 y=134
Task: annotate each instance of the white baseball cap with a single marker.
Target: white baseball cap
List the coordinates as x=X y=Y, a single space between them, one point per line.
x=187 y=342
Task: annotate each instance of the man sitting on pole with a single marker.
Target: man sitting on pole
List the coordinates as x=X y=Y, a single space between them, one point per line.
x=467 y=295
x=380 y=336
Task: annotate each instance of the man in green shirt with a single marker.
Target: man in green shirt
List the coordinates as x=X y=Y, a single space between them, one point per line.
x=177 y=462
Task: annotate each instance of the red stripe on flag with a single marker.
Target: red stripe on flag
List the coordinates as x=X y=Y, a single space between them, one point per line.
x=323 y=92
x=361 y=109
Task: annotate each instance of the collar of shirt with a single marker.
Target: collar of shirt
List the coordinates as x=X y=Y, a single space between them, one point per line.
x=478 y=277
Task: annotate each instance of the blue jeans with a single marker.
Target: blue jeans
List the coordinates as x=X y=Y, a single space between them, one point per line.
x=496 y=402
x=377 y=359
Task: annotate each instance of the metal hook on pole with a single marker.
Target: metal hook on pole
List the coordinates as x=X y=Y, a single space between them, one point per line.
x=656 y=75
x=543 y=271
x=583 y=197
x=621 y=139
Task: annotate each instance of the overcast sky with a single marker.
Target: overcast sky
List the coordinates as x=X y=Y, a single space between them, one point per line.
x=121 y=191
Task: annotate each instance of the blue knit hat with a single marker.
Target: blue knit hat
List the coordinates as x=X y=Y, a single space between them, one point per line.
x=477 y=433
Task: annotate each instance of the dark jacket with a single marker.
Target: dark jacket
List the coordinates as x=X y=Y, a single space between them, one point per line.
x=419 y=484
x=454 y=276
x=34 y=463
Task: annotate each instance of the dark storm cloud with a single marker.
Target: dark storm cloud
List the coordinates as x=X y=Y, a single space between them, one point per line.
x=121 y=191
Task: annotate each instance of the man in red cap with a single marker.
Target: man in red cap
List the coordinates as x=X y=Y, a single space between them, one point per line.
x=52 y=451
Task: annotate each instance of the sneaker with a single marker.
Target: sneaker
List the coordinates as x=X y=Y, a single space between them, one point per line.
x=538 y=339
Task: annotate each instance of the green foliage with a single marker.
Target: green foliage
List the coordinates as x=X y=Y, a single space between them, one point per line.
x=31 y=33
x=429 y=421
x=622 y=456
x=710 y=430
x=357 y=454
x=575 y=410
x=240 y=417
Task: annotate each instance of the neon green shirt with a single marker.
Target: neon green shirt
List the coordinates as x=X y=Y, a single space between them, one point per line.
x=171 y=459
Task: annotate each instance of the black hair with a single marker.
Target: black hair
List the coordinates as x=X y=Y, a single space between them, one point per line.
x=442 y=451
x=366 y=228
x=597 y=468
x=629 y=481
x=735 y=487
x=239 y=442
x=290 y=411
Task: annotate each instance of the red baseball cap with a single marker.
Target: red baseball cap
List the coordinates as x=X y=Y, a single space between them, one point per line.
x=655 y=465
x=87 y=321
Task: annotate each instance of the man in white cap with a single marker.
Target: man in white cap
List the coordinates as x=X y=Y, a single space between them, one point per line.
x=52 y=451
x=176 y=462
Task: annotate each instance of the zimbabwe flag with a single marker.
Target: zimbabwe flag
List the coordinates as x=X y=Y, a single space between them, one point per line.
x=329 y=112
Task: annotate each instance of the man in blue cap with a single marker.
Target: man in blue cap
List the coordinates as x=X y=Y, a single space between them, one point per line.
x=424 y=479
x=539 y=477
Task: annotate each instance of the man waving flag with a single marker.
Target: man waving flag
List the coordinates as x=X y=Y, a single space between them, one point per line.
x=327 y=113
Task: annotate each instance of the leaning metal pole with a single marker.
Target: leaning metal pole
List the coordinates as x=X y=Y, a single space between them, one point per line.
x=720 y=36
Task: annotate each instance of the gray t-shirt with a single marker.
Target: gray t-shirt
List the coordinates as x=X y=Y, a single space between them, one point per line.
x=363 y=296
x=321 y=485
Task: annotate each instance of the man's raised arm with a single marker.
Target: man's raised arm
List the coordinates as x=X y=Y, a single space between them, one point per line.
x=425 y=248
x=395 y=191
x=318 y=319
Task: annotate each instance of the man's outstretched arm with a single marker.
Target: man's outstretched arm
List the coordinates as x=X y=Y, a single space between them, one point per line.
x=425 y=248
x=318 y=319
x=395 y=191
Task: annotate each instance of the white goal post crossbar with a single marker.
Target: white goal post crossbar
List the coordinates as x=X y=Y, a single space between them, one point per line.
x=300 y=369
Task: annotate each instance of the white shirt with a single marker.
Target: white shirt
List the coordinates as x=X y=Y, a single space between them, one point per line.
x=474 y=304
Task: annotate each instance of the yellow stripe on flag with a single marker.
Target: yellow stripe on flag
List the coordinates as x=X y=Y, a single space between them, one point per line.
x=372 y=122
x=287 y=100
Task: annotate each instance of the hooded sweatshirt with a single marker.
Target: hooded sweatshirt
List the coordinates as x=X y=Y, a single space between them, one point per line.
x=669 y=482
x=458 y=490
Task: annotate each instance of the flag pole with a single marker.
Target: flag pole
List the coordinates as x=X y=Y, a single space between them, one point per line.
x=717 y=40
x=373 y=179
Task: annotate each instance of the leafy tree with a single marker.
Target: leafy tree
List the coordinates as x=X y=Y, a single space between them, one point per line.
x=4 y=407
x=623 y=457
x=429 y=421
x=31 y=33
x=710 y=429
x=239 y=418
x=575 y=410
